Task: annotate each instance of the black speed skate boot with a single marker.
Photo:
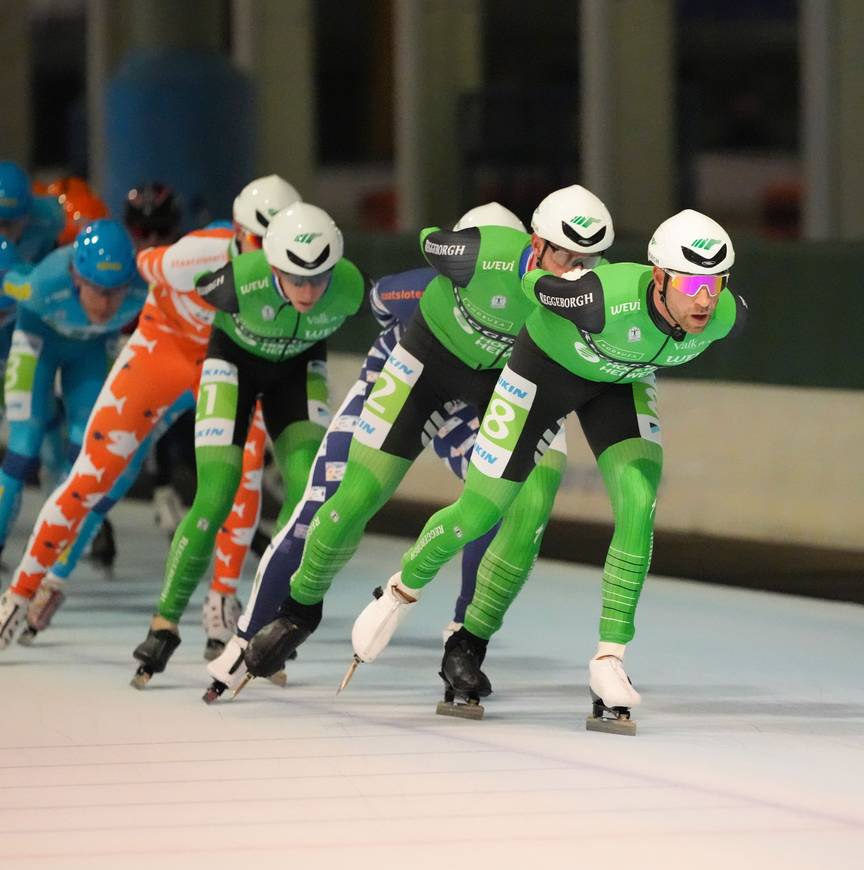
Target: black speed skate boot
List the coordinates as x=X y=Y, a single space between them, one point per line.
x=153 y=653
x=460 y=669
x=103 y=550
x=277 y=642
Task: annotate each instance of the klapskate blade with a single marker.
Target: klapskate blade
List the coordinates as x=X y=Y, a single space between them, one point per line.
x=246 y=680
x=625 y=727
x=355 y=662
x=460 y=711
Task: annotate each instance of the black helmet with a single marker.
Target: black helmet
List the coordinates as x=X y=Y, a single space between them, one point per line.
x=152 y=209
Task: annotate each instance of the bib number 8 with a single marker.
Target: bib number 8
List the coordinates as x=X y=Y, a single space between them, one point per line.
x=496 y=421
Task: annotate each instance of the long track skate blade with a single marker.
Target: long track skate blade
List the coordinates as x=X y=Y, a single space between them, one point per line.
x=246 y=680
x=625 y=727
x=355 y=662
x=140 y=680
x=460 y=711
x=280 y=678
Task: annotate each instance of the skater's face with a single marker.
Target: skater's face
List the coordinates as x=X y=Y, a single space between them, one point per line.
x=558 y=260
x=302 y=291
x=99 y=304
x=690 y=299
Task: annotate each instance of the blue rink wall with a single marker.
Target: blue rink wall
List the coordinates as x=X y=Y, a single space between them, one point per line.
x=184 y=118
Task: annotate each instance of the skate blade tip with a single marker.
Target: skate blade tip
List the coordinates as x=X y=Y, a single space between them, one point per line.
x=624 y=727
x=355 y=663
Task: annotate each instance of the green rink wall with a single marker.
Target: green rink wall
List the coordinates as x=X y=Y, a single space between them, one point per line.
x=806 y=309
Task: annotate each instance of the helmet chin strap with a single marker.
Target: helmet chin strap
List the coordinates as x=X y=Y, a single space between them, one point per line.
x=678 y=333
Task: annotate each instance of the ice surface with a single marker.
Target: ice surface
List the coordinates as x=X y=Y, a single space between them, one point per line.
x=749 y=753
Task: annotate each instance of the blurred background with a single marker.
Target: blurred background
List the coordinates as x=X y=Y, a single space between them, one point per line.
x=398 y=114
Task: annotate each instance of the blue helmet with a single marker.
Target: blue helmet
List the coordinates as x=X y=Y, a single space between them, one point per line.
x=102 y=254
x=15 y=194
x=8 y=256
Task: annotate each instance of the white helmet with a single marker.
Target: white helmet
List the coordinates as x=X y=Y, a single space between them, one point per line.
x=256 y=204
x=492 y=214
x=303 y=240
x=691 y=242
x=575 y=219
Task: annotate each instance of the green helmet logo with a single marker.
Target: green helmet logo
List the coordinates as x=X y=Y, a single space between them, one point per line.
x=306 y=238
x=584 y=221
x=704 y=244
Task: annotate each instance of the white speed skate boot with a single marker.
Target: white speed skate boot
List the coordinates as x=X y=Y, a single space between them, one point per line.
x=378 y=621
x=230 y=673
x=45 y=603
x=219 y=617
x=612 y=693
x=13 y=616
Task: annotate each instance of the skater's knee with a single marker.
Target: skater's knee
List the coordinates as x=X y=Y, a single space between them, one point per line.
x=474 y=515
x=634 y=495
x=19 y=466
x=358 y=498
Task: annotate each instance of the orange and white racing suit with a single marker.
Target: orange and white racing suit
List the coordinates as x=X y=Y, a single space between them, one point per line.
x=161 y=360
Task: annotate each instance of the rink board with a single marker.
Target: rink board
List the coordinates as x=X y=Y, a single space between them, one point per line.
x=749 y=752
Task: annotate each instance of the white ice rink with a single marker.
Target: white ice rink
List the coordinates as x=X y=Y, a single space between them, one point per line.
x=750 y=751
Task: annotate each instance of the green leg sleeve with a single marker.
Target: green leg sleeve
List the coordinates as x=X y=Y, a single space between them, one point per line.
x=219 y=471
x=295 y=451
x=480 y=506
x=631 y=471
x=507 y=563
x=371 y=477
